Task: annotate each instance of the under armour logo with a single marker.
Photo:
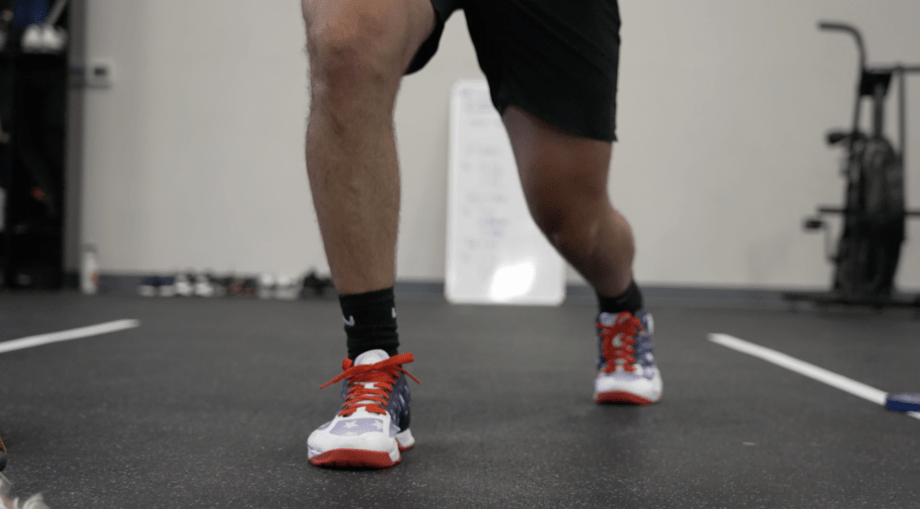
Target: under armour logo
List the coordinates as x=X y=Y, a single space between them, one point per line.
x=350 y=321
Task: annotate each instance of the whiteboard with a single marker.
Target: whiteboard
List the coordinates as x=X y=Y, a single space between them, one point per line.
x=495 y=252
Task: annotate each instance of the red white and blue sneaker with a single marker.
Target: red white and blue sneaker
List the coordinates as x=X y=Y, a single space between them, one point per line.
x=372 y=428
x=626 y=371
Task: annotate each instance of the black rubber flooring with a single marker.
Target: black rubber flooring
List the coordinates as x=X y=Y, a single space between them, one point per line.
x=208 y=404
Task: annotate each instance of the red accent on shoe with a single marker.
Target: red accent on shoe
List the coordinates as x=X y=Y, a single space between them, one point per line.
x=621 y=397
x=354 y=458
x=624 y=330
x=383 y=374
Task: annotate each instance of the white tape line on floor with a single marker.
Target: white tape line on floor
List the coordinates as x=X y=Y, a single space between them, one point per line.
x=803 y=368
x=67 y=335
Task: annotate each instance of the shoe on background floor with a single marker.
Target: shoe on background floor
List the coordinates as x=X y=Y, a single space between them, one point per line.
x=372 y=428
x=149 y=287
x=626 y=366
x=207 y=285
x=184 y=284
x=167 y=286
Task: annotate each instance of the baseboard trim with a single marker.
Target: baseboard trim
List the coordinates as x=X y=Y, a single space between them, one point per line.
x=681 y=296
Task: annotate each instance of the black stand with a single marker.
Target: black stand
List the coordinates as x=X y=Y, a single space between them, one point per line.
x=33 y=107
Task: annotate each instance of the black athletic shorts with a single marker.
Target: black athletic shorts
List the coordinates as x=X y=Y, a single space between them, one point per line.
x=555 y=59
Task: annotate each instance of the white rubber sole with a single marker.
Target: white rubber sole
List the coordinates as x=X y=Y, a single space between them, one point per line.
x=641 y=391
x=356 y=457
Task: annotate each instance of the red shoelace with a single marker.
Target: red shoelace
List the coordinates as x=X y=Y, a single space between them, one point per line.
x=382 y=375
x=617 y=342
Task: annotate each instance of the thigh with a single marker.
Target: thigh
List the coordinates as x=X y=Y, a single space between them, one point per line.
x=558 y=170
x=554 y=59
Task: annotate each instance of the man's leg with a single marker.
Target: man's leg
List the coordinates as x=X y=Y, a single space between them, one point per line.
x=359 y=51
x=564 y=177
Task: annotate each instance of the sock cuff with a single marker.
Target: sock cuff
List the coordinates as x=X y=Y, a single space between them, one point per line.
x=367 y=298
x=370 y=321
x=630 y=300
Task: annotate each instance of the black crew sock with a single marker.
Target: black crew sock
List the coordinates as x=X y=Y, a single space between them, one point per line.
x=630 y=300
x=370 y=322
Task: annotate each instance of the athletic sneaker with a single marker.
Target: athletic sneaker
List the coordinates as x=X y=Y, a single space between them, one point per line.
x=372 y=429
x=149 y=287
x=626 y=366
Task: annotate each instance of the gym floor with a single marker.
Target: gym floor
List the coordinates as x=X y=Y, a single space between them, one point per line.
x=208 y=404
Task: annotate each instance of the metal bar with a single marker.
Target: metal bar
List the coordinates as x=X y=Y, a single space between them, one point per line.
x=878 y=109
x=56 y=11
x=843 y=27
x=850 y=29
x=902 y=121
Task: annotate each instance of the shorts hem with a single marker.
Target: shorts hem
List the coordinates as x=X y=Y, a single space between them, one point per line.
x=428 y=48
x=510 y=95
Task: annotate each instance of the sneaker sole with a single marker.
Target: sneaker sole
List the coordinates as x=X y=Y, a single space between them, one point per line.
x=623 y=397
x=361 y=458
x=354 y=458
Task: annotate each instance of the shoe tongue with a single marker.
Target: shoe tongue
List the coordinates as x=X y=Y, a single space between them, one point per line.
x=371 y=357
x=607 y=318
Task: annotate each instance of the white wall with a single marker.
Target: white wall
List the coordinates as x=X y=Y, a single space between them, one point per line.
x=194 y=157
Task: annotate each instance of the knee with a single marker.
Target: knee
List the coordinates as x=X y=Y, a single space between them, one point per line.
x=570 y=221
x=353 y=51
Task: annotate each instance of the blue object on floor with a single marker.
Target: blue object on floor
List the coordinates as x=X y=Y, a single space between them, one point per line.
x=904 y=402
